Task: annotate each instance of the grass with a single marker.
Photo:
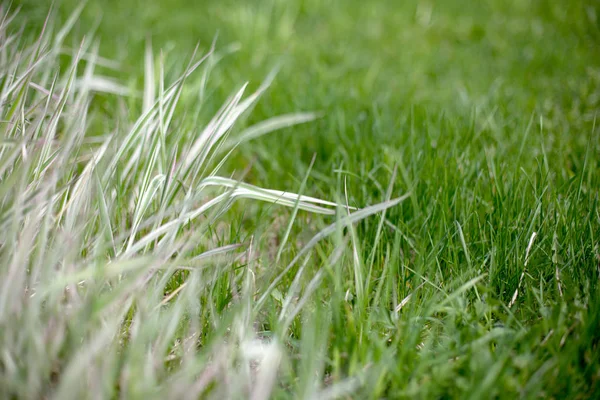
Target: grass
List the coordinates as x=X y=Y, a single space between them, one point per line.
x=457 y=254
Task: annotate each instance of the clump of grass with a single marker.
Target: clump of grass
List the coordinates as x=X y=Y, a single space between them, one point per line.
x=109 y=272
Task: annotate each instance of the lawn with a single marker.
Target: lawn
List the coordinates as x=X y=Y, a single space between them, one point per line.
x=300 y=199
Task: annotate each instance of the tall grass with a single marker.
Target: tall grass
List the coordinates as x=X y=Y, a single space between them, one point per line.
x=110 y=272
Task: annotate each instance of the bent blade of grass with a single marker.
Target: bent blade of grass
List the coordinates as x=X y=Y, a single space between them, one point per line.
x=271 y=193
x=341 y=222
x=281 y=199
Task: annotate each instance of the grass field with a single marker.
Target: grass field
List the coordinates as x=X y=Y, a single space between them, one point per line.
x=445 y=243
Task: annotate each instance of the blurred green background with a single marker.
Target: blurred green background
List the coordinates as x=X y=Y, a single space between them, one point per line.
x=352 y=57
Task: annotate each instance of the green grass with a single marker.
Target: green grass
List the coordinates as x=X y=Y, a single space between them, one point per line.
x=135 y=263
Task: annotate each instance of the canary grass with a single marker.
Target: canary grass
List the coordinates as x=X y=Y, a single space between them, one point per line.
x=97 y=222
